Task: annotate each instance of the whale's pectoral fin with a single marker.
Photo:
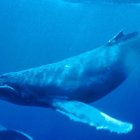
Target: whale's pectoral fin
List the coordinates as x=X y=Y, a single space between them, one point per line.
x=84 y=113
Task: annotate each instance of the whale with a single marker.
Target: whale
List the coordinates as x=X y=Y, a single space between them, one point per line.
x=70 y=85
x=8 y=134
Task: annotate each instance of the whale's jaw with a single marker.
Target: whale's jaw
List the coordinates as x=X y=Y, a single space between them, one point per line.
x=8 y=93
x=7 y=90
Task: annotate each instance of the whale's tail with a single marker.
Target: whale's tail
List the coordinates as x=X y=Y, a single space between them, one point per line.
x=84 y=113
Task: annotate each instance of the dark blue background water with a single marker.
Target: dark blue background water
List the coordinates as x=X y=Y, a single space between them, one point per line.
x=37 y=32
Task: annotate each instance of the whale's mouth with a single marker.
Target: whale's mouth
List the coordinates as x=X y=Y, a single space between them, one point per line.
x=7 y=88
x=7 y=92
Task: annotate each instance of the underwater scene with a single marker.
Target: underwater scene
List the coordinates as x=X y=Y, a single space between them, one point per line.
x=69 y=70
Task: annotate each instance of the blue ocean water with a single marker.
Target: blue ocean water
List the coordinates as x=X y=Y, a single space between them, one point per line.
x=37 y=32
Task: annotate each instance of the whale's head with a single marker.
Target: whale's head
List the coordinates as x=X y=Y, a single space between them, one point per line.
x=8 y=91
x=14 y=90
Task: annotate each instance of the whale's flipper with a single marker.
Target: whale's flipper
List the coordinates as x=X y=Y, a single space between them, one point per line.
x=84 y=113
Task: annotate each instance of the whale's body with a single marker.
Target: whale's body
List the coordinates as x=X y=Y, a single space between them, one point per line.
x=71 y=79
x=68 y=85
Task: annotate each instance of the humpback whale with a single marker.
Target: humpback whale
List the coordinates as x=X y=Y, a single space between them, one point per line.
x=6 y=134
x=68 y=86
